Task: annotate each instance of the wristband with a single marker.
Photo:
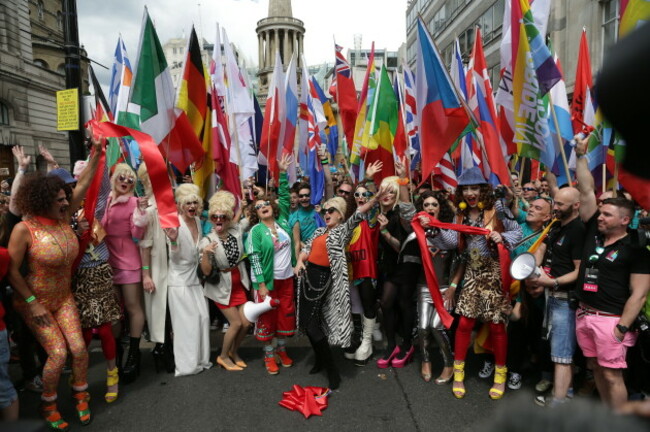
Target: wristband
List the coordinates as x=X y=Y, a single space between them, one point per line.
x=145 y=267
x=21 y=171
x=403 y=181
x=324 y=161
x=384 y=231
x=453 y=285
x=30 y=299
x=173 y=243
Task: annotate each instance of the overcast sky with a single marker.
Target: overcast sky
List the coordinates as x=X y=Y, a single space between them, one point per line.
x=101 y=22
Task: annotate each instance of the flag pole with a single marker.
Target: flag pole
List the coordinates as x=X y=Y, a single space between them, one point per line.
x=604 y=185
x=615 y=182
x=560 y=139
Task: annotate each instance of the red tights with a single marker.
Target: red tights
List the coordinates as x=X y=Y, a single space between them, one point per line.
x=464 y=335
x=105 y=332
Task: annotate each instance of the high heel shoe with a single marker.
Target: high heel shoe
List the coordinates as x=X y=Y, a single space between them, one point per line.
x=52 y=417
x=440 y=380
x=383 y=363
x=112 y=379
x=241 y=363
x=132 y=367
x=228 y=368
x=426 y=376
x=500 y=376
x=401 y=362
x=81 y=406
x=163 y=358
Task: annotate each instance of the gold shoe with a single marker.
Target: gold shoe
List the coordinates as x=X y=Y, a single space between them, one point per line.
x=425 y=371
x=228 y=368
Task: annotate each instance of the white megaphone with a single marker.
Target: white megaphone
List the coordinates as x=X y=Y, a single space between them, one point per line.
x=524 y=266
x=252 y=311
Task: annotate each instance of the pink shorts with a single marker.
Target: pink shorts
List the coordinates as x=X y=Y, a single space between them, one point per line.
x=596 y=338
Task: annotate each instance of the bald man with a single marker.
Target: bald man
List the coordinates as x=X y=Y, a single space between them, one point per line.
x=560 y=257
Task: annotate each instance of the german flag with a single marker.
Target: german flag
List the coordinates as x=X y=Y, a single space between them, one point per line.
x=193 y=99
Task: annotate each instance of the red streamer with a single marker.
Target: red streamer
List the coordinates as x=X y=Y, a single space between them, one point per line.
x=429 y=271
x=156 y=168
x=306 y=400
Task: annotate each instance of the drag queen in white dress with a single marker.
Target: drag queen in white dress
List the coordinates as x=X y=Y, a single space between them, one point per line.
x=187 y=305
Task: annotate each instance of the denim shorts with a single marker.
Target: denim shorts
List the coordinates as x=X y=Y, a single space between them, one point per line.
x=563 y=330
x=7 y=391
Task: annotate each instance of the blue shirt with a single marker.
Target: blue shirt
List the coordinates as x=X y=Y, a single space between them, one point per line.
x=308 y=220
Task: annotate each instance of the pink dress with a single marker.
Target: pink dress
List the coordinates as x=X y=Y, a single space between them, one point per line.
x=124 y=223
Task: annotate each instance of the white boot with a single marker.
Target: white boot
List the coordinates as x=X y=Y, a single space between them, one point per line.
x=364 y=352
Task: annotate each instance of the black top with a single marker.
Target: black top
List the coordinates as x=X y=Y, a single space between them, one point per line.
x=387 y=255
x=615 y=264
x=564 y=244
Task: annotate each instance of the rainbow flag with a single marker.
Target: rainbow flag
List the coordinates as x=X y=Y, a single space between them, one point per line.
x=362 y=126
x=634 y=13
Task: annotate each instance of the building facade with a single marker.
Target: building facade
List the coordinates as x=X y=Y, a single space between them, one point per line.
x=31 y=72
x=279 y=32
x=448 y=19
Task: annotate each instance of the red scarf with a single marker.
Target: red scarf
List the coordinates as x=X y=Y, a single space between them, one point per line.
x=429 y=271
x=156 y=168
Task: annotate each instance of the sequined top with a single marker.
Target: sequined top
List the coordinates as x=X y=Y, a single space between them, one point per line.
x=49 y=261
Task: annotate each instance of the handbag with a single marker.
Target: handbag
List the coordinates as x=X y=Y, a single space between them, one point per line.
x=215 y=275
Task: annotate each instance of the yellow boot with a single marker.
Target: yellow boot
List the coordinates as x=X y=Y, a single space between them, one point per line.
x=500 y=376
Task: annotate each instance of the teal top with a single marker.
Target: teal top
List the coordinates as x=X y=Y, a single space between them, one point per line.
x=259 y=244
x=308 y=220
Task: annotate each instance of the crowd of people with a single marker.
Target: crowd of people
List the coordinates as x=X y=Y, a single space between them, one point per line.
x=421 y=267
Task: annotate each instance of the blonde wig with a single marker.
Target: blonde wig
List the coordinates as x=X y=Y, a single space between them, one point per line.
x=188 y=192
x=223 y=202
x=391 y=185
x=125 y=170
x=339 y=204
x=143 y=176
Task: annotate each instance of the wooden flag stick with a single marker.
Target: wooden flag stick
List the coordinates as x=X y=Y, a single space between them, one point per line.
x=604 y=185
x=560 y=140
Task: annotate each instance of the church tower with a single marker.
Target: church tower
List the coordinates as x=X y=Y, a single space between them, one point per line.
x=280 y=31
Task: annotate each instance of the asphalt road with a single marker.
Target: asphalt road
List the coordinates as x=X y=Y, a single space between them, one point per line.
x=369 y=399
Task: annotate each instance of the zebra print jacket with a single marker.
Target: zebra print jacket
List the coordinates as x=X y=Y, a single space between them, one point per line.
x=337 y=314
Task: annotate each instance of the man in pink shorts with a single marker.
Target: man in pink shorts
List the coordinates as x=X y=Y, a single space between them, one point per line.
x=613 y=283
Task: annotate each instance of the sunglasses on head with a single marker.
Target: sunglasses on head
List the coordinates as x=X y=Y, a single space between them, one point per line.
x=304 y=195
x=366 y=194
x=344 y=192
x=128 y=179
x=430 y=204
x=331 y=210
x=218 y=217
x=262 y=205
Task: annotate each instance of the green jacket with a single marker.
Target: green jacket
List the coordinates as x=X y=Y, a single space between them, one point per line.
x=259 y=244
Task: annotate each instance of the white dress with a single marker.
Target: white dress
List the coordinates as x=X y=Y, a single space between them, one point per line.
x=155 y=303
x=188 y=307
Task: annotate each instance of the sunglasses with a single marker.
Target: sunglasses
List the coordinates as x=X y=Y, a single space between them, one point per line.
x=527 y=189
x=367 y=194
x=545 y=198
x=123 y=178
x=331 y=210
x=262 y=205
x=430 y=204
x=344 y=192
x=304 y=195
x=218 y=217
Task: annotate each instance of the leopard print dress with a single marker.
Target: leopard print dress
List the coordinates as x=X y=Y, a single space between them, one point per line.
x=95 y=297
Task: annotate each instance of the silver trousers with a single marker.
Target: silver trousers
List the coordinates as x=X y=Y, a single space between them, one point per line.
x=429 y=322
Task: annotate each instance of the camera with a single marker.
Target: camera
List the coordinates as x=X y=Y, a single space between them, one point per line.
x=500 y=192
x=642 y=324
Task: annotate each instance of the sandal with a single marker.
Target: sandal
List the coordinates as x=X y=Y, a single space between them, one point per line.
x=112 y=379
x=500 y=377
x=52 y=417
x=81 y=406
x=459 y=377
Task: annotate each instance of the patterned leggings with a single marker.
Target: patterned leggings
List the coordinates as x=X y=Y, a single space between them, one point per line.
x=63 y=332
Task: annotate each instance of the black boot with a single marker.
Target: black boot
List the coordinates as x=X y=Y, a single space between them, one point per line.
x=357 y=330
x=323 y=351
x=132 y=367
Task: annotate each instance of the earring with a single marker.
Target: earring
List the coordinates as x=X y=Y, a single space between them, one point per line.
x=480 y=205
x=462 y=205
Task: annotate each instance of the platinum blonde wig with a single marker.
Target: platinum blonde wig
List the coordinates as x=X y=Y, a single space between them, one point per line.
x=222 y=202
x=188 y=192
x=122 y=169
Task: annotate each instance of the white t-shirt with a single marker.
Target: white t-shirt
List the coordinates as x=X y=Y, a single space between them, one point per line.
x=282 y=258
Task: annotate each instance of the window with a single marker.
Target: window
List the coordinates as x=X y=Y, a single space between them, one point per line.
x=61 y=69
x=610 y=23
x=40 y=10
x=59 y=20
x=4 y=114
x=41 y=63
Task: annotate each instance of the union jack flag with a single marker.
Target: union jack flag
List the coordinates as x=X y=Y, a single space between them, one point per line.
x=342 y=65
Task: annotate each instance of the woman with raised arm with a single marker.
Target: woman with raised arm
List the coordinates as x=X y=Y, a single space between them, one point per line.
x=46 y=241
x=222 y=251
x=125 y=220
x=188 y=307
x=324 y=302
x=272 y=255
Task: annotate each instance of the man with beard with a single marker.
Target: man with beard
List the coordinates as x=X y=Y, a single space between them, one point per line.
x=305 y=219
x=560 y=257
x=613 y=285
